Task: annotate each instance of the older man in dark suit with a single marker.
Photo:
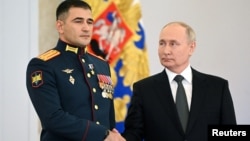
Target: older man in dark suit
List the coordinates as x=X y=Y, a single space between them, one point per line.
x=154 y=115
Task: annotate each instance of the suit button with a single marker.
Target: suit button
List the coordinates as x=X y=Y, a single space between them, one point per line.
x=83 y=60
x=96 y=107
x=98 y=122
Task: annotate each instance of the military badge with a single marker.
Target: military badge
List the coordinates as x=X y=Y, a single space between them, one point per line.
x=36 y=79
x=71 y=80
x=68 y=71
x=91 y=67
x=105 y=84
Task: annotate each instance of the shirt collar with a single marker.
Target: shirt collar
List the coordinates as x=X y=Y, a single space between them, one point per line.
x=186 y=73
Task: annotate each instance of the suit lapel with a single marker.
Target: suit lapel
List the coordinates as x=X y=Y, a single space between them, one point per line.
x=198 y=98
x=164 y=93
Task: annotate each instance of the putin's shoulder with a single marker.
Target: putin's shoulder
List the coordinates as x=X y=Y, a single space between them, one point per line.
x=152 y=79
x=208 y=77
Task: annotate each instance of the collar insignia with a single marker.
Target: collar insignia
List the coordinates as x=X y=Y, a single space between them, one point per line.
x=72 y=49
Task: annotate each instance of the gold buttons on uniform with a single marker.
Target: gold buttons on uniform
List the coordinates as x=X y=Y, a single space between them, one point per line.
x=97 y=122
x=89 y=75
x=96 y=107
x=94 y=90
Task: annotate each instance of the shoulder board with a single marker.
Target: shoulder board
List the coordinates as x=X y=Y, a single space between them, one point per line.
x=96 y=56
x=49 y=55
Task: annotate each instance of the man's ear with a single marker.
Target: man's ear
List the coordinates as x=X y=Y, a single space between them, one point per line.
x=192 y=47
x=59 y=26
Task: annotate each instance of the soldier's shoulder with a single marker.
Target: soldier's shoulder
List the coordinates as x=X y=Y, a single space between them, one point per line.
x=96 y=56
x=48 y=55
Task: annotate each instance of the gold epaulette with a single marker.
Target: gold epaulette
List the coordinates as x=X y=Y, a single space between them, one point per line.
x=48 y=55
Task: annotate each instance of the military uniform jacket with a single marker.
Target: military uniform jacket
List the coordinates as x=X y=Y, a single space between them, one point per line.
x=71 y=91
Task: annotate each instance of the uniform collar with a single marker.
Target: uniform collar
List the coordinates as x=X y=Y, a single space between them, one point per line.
x=62 y=46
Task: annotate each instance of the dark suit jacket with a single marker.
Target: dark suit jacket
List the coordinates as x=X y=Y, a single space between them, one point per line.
x=152 y=114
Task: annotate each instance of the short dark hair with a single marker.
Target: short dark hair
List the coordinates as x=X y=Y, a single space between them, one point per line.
x=64 y=7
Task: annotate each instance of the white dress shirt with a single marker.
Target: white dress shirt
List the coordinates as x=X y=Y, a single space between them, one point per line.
x=187 y=83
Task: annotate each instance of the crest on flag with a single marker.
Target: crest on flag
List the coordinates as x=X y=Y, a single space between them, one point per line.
x=119 y=38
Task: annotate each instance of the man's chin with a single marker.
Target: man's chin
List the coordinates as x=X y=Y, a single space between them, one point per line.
x=168 y=65
x=84 y=43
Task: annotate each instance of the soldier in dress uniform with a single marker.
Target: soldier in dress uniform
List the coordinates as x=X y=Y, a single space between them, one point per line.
x=71 y=89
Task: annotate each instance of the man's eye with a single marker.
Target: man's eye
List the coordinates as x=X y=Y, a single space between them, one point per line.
x=173 y=43
x=78 y=21
x=90 y=22
x=161 y=43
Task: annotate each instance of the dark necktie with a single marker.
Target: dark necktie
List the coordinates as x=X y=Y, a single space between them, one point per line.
x=181 y=102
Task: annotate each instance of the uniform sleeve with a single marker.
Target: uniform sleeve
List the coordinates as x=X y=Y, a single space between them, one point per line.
x=42 y=88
